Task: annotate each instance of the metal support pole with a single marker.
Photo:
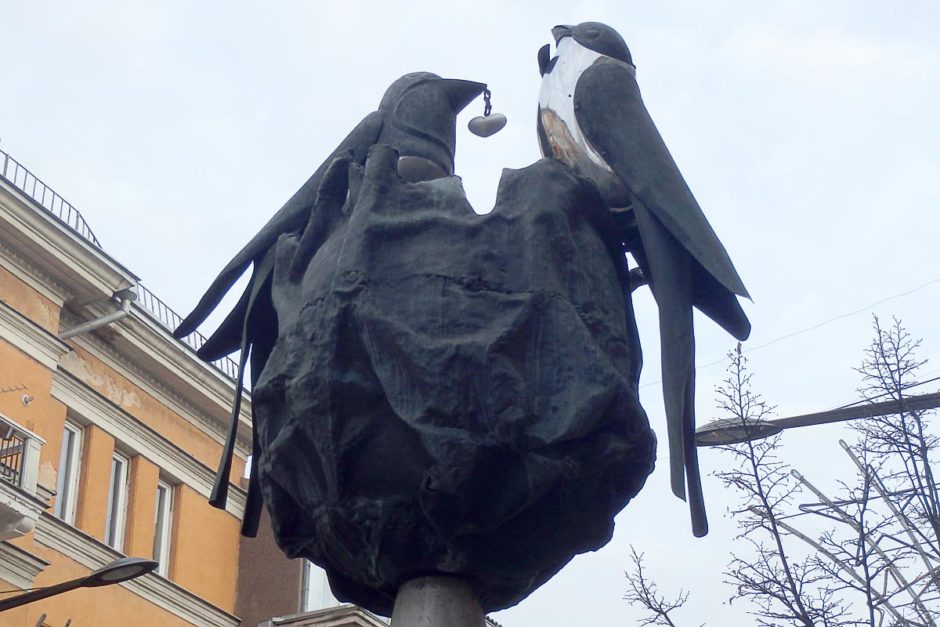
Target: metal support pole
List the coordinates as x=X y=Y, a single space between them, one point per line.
x=889 y=563
x=437 y=602
x=902 y=519
x=835 y=559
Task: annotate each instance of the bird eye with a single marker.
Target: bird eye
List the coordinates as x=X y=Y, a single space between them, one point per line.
x=592 y=34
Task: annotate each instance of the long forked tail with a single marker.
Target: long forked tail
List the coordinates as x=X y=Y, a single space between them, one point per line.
x=669 y=268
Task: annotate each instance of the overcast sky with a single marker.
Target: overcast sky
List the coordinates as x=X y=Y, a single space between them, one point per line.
x=807 y=130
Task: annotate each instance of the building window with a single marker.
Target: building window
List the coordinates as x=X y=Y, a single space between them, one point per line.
x=117 y=503
x=161 y=527
x=67 y=482
x=316 y=593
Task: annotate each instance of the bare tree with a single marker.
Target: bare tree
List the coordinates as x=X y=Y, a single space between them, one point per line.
x=779 y=587
x=882 y=527
x=644 y=592
x=854 y=554
x=901 y=447
x=877 y=561
x=895 y=510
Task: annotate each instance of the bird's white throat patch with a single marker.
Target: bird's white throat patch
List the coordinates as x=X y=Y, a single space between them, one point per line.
x=557 y=92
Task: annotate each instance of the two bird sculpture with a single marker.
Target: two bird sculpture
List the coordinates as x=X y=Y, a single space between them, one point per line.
x=592 y=118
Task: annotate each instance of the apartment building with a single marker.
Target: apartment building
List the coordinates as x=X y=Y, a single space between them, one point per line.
x=110 y=431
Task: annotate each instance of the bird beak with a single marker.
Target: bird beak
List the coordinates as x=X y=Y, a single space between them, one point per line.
x=560 y=32
x=460 y=93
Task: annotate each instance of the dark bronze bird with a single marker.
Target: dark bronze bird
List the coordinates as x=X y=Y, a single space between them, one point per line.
x=417 y=116
x=591 y=116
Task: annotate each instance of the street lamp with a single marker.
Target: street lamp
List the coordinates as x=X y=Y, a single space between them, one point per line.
x=117 y=571
x=734 y=430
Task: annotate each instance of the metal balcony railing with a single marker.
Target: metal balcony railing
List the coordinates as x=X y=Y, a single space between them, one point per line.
x=45 y=197
x=12 y=453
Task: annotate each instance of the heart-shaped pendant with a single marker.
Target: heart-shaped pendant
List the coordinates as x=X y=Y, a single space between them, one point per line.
x=484 y=126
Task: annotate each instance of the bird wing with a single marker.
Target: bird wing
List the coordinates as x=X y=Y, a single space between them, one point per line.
x=686 y=263
x=228 y=336
x=615 y=121
x=325 y=212
x=293 y=216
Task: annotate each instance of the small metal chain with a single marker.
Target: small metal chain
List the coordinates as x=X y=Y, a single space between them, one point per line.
x=488 y=106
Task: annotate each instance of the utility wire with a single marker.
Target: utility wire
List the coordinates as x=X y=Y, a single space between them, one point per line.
x=841 y=316
x=888 y=393
x=813 y=328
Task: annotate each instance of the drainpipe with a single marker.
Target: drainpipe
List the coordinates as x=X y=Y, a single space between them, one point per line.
x=126 y=296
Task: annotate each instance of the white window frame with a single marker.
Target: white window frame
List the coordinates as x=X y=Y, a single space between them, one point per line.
x=316 y=593
x=70 y=455
x=162 y=527
x=117 y=501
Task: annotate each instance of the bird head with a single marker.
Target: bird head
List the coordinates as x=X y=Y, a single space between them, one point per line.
x=421 y=110
x=595 y=36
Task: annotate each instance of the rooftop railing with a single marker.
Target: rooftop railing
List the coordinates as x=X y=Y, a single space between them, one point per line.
x=169 y=319
x=46 y=198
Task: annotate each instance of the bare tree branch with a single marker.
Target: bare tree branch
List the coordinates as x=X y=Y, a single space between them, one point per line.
x=778 y=587
x=878 y=563
x=643 y=591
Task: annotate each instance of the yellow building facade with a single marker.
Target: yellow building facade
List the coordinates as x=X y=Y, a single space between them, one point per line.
x=110 y=432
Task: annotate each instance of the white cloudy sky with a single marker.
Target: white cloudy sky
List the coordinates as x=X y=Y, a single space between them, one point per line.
x=808 y=131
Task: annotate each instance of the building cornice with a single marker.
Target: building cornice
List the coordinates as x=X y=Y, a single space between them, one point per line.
x=341 y=616
x=210 y=416
x=82 y=268
x=198 y=382
x=90 y=553
x=31 y=338
x=19 y=567
x=32 y=275
x=140 y=439
x=51 y=257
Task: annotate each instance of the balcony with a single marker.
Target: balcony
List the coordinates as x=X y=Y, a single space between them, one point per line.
x=19 y=470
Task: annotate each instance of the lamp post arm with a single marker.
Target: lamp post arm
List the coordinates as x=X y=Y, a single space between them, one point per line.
x=42 y=593
x=733 y=431
x=870 y=410
x=119 y=570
